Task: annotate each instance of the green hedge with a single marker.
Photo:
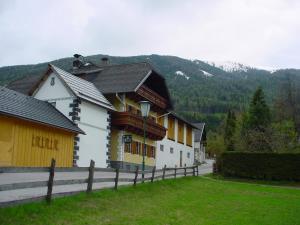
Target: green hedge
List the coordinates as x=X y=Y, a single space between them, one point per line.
x=268 y=166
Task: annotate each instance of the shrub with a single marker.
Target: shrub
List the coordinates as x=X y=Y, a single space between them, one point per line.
x=268 y=166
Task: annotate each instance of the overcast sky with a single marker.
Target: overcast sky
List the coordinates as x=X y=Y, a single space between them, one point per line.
x=258 y=33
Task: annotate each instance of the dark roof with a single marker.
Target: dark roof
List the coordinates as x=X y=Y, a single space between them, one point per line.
x=25 y=84
x=119 y=78
x=183 y=120
x=199 y=131
x=25 y=107
x=124 y=78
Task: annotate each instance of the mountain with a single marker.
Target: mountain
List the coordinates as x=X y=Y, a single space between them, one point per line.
x=201 y=91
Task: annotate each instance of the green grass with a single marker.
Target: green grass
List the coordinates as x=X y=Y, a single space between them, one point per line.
x=192 y=200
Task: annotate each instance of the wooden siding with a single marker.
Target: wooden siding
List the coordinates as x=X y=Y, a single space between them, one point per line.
x=171 y=127
x=180 y=132
x=29 y=144
x=189 y=135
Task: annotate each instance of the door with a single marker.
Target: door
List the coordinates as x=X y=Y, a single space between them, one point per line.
x=180 y=158
x=6 y=142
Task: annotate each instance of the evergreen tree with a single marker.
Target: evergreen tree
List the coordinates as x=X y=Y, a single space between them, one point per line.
x=259 y=117
x=229 y=130
x=256 y=131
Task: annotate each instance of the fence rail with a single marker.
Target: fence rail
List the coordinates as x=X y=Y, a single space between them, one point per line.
x=90 y=180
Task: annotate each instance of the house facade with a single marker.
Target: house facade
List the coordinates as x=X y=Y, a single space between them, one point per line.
x=200 y=143
x=125 y=86
x=177 y=147
x=81 y=102
x=32 y=132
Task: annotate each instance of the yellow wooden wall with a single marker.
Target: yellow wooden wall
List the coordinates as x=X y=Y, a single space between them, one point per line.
x=171 y=127
x=29 y=144
x=180 y=133
x=189 y=137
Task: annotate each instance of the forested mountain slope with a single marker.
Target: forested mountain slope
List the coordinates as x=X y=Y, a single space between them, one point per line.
x=201 y=91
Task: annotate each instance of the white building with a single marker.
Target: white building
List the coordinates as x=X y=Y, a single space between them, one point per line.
x=200 y=142
x=82 y=102
x=177 y=147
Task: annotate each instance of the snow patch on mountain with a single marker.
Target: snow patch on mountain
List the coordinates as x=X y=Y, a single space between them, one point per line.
x=206 y=73
x=180 y=73
x=229 y=66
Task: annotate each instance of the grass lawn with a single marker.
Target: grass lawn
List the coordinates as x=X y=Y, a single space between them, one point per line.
x=191 y=200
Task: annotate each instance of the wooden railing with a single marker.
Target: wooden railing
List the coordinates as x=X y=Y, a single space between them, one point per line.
x=152 y=96
x=134 y=123
x=90 y=180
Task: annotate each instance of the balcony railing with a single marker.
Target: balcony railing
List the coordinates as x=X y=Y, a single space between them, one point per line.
x=134 y=124
x=152 y=96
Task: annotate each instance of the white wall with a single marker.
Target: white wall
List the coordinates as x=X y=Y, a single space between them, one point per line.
x=93 y=120
x=172 y=159
x=57 y=93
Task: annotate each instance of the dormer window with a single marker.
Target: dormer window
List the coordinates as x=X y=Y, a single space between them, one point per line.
x=52 y=82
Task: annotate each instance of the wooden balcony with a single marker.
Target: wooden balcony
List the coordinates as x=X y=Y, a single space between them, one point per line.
x=134 y=124
x=152 y=96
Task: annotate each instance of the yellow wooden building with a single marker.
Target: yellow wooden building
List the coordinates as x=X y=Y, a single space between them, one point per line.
x=32 y=132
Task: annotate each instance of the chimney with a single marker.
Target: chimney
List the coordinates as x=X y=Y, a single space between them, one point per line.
x=104 y=61
x=77 y=62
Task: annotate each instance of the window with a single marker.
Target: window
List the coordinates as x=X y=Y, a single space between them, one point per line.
x=188 y=155
x=134 y=147
x=171 y=150
x=149 y=150
x=161 y=147
x=52 y=82
x=127 y=147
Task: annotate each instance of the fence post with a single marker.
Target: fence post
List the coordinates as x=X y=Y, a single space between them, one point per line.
x=117 y=179
x=153 y=173
x=197 y=170
x=136 y=175
x=164 y=172
x=185 y=169
x=193 y=170
x=50 y=181
x=91 y=177
x=175 y=170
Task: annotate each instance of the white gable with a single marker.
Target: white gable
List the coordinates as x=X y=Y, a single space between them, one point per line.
x=52 y=88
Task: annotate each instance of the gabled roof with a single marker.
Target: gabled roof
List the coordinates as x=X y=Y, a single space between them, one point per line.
x=81 y=88
x=118 y=78
x=124 y=78
x=199 y=131
x=17 y=105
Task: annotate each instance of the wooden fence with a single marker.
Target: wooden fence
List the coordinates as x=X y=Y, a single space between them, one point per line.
x=90 y=180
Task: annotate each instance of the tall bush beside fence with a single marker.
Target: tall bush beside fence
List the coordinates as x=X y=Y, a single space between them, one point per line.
x=268 y=166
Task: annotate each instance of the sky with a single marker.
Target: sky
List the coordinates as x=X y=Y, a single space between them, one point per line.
x=261 y=33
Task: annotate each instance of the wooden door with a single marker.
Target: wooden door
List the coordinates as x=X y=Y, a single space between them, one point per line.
x=180 y=159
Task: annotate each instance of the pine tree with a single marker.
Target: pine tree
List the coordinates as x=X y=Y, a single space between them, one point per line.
x=256 y=125
x=229 y=130
x=259 y=117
